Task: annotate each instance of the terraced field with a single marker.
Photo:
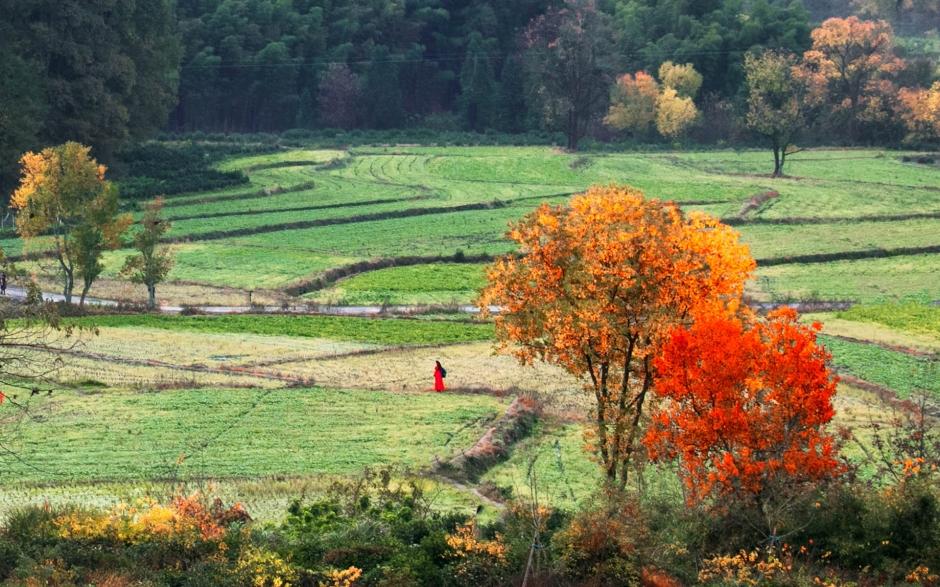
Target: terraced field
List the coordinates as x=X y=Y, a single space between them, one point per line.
x=221 y=402
x=307 y=211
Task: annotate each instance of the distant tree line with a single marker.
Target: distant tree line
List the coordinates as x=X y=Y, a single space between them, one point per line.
x=105 y=72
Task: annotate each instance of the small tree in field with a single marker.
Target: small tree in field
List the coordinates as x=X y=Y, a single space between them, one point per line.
x=598 y=284
x=152 y=264
x=776 y=102
x=746 y=401
x=63 y=194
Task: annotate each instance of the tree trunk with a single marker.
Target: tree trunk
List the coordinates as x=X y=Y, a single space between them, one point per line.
x=572 y=130
x=85 y=287
x=151 y=296
x=778 y=165
x=68 y=286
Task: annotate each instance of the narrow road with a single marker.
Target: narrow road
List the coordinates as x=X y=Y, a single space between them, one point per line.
x=19 y=293
x=404 y=310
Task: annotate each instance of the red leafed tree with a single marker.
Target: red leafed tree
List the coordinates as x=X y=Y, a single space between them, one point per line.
x=744 y=403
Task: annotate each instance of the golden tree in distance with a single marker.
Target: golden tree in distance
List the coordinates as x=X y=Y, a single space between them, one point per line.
x=63 y=194
x=598 y=284
x=850 y=69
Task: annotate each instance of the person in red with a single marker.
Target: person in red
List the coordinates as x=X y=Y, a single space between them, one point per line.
x=439 y=374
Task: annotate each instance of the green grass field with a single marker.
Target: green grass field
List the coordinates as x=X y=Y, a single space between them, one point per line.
x=261 y=408
x=376 y=330
x=92 y=448
x=904 y=374
x=441 y=283
x=307 y=210
x=910 y=317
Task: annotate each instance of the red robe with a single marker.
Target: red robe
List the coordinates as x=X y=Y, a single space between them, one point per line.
x=438 y=379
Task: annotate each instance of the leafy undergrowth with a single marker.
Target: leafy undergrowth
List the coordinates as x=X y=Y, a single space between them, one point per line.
x=391 y=331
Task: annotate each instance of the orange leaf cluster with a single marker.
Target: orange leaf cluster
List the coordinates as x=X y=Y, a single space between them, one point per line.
x=921 y=112
x=599 y=283
x=608 y=267
x=633 y=102
x=745 y=404
x=850 y=65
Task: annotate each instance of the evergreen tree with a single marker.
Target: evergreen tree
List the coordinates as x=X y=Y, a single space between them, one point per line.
x=479 y=91
x=382 y=93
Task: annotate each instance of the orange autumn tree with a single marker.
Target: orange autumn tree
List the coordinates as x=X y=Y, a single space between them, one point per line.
x=850 y=68
x=920 y=110
x=745 y=401
x=633 y=103
x=598 y=284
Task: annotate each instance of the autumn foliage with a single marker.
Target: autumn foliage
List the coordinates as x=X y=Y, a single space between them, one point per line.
x=599 y=283
x=63 y=194
x=745 y=403
x=633 y=102
x=920 y=111
x=850 y=68
x=638 y=101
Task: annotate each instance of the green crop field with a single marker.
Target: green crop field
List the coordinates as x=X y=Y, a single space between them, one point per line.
x=305 y=211
x=910 y=317
x=83 y=445
x=438 y=283
x=380 y=331
x=229 y=404
x=904 y=374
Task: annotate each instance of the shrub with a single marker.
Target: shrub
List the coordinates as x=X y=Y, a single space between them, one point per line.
x=602 y=545
x=476 y=562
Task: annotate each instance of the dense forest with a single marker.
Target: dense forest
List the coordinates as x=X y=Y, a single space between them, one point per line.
x=104 y=72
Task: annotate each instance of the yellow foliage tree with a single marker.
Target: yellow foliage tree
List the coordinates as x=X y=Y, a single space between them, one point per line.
x=682 y=78
x=920 y=109
x=674 y=113
x=598 y=284
x=633 y=103
x=776 y=105
x=637 y=101
x=63 y=194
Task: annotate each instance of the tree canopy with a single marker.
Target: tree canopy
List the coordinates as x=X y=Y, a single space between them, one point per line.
x=599 y=283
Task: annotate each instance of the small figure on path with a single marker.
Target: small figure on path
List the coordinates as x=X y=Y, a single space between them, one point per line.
x=3 y=283
x=439 y=374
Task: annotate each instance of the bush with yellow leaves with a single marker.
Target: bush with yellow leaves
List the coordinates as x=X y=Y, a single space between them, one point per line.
x=751 y=568
x=187 y=519
x=262 y=568
x=342 y=578
x=476 y=562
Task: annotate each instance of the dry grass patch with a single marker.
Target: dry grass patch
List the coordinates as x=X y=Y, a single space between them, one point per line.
x=471 y=368
x=212 y=349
